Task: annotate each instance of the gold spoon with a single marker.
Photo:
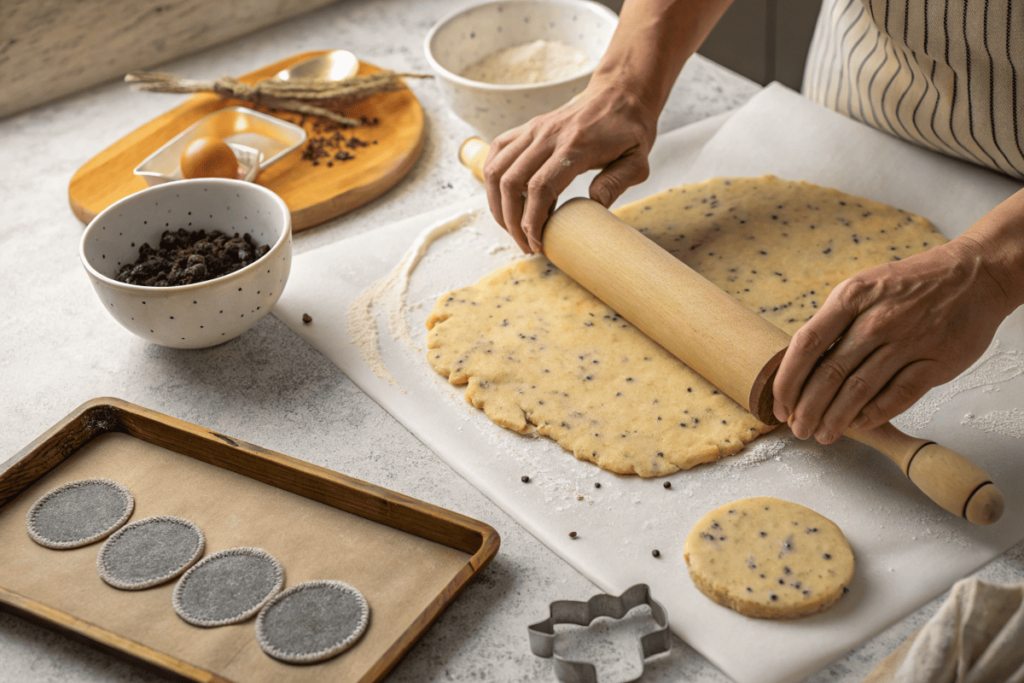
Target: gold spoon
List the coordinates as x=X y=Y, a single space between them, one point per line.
x=336 y=65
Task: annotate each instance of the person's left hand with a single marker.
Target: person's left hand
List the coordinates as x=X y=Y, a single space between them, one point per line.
x=886 y=336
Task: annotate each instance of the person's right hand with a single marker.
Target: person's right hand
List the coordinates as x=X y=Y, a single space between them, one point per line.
x=606 y=126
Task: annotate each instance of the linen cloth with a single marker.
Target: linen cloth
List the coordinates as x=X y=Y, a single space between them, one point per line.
x=977 y=636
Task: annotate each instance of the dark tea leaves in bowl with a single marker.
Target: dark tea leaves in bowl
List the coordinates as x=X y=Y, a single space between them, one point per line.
x=185 y=257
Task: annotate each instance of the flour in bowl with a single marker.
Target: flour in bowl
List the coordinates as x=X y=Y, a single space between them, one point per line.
x=538 y=62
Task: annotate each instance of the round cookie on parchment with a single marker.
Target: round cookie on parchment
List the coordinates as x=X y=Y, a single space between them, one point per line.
x=79 y=513
x=312 y=622
x=227 y=587
x=149 y=552
x=769 y=558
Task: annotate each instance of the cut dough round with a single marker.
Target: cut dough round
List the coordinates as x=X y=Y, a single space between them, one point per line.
x=79 y=513
x=312 y=621
x=227 y=587
x=540 y=353
x=149 y=552
x=769 y=558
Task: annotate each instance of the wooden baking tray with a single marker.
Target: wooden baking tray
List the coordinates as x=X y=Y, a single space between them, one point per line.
x=313 y=193
x=409 y=558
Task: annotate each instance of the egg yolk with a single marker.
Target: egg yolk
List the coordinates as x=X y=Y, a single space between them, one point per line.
x=208 y=157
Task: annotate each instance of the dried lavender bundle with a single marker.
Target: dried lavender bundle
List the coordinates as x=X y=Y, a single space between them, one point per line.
x=306 y=95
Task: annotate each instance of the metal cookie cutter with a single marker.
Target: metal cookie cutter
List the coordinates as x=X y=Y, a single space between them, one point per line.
x=542 y=634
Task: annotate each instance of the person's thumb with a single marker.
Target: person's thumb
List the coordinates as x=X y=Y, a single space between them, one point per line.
x=617 y=177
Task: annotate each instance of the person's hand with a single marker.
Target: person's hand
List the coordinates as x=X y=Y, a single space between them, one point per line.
x=529 y=166
x=886 y=336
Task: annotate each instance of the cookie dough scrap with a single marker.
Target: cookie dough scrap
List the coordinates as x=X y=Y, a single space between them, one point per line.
x=540 y=353
x=769 y=558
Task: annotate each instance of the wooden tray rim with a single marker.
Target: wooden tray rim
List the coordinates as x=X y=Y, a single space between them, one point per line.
x=104 y=415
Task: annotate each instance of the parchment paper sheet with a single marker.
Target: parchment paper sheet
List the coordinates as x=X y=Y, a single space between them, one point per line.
x=908 y=551
x=398 y=573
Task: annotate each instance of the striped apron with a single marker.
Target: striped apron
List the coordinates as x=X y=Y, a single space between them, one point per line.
x=945 y=74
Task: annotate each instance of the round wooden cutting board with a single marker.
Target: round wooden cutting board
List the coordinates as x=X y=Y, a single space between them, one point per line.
x=313 y=193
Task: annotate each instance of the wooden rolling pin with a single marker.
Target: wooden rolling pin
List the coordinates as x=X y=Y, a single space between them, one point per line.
x=685 y=313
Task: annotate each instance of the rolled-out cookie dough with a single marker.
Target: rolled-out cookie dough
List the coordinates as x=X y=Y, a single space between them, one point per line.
x=539 y=352
x=769 y=558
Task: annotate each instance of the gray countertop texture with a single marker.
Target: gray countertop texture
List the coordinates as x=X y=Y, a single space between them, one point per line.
x=58 y=348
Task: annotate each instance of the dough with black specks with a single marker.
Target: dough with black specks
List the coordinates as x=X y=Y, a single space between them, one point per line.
x=540 y=353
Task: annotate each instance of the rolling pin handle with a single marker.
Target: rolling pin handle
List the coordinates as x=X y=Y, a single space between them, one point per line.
x=472 y=154
x=952 y=481
x=985 y=506
x=955 y=483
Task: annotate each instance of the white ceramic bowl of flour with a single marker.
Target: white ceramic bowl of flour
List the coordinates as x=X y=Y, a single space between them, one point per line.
x=464 y=38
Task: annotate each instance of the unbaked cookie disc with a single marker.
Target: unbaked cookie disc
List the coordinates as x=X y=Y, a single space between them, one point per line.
x=227 y=587
x=312 y=622
x=769 y=558
x=79 y=513
x=149 y=552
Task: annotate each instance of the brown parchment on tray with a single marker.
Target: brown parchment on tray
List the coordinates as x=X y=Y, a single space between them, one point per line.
x=399 y=573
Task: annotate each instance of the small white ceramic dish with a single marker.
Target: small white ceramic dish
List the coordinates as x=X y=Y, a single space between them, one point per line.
x=202 y=314
x=257 y=139
x=466 y=36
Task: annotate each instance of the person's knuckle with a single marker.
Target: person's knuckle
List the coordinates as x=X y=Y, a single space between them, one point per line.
x=858 y=388
x=806 y=340
x=870 y=326
x=492 y=174
x=614 y=184
x=853 y=291
x=904 y=392
x=573 y=138
x=502 y=141
x=643 y=169
x=540 y=187
x=833 y=371
x=510 y=184
x=874 y=413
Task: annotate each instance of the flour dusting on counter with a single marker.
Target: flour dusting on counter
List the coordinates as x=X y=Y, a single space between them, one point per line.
x=760 y=450
x=1005 y=422
x=994 y=367
x=389 y=293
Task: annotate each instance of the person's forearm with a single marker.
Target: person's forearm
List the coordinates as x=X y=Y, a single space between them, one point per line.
x=1000 y=233
x=653 y=40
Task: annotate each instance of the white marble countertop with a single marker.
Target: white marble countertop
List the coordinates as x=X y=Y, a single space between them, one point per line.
x=58 y=348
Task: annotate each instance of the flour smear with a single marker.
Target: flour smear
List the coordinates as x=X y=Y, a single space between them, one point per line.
x=389 y=294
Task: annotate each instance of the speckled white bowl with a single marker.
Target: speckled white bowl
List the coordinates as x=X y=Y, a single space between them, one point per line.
x=202 y=314
x=467 y=36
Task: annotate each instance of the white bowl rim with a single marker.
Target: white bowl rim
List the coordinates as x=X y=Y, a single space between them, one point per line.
x=124 y=286
x=462 y=80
